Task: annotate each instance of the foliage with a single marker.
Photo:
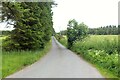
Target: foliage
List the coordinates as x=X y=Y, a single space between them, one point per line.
x=106 y=30
x=100 y=50
x=62 y=39
x=16 y=60
x=32 y=22
x=75 y=32
x=11 y=11
x=99 y=42
x=58 y=36
x=63 y=32
x=5 y=33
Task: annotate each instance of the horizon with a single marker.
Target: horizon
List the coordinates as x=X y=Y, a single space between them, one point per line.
x=90 y=12
x=94 y=13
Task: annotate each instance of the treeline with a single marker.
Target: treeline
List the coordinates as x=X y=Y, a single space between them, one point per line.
x=106 y=30
x=5 y=33
x=32 y=22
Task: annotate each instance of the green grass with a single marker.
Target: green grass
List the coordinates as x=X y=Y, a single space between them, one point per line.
x=99 y=42
x=2 y=37
x=16 y=60
x=62 y=40
x=101 y=51
x=1 y=56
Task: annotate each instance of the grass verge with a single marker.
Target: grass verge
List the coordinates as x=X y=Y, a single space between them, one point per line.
x=100 y=51
x=104 y=72
x=16 y=60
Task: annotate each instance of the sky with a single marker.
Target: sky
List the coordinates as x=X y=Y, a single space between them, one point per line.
x=4 y=27
x=94 y=13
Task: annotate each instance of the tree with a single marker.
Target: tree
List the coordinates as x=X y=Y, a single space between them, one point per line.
x=106 y=30
x=75 y=32
x=32 y=22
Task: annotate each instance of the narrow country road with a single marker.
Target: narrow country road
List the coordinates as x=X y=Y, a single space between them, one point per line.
x=59 y=63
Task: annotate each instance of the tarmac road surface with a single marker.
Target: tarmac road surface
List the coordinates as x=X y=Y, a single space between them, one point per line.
x=59 y=62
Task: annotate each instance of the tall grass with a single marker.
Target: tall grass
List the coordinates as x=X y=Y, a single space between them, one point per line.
x=16 y=60
x=0 y=57
x=62 y=39
x=108 y=43
x=101 y=50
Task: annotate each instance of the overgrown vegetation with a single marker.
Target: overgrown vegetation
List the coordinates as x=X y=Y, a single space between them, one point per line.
x=62 y=39
x=13 y=61
x=101 y=51
x=75 y=32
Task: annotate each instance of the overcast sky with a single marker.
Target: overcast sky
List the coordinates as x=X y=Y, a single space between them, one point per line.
x=94 y=13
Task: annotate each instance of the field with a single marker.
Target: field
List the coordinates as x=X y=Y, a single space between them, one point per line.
x=15 y=60
x=100 y=50
x=1 y=57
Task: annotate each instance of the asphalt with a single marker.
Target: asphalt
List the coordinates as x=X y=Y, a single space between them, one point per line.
x=59 y=62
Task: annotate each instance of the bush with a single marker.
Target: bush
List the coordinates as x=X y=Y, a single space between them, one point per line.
x=100 y=50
